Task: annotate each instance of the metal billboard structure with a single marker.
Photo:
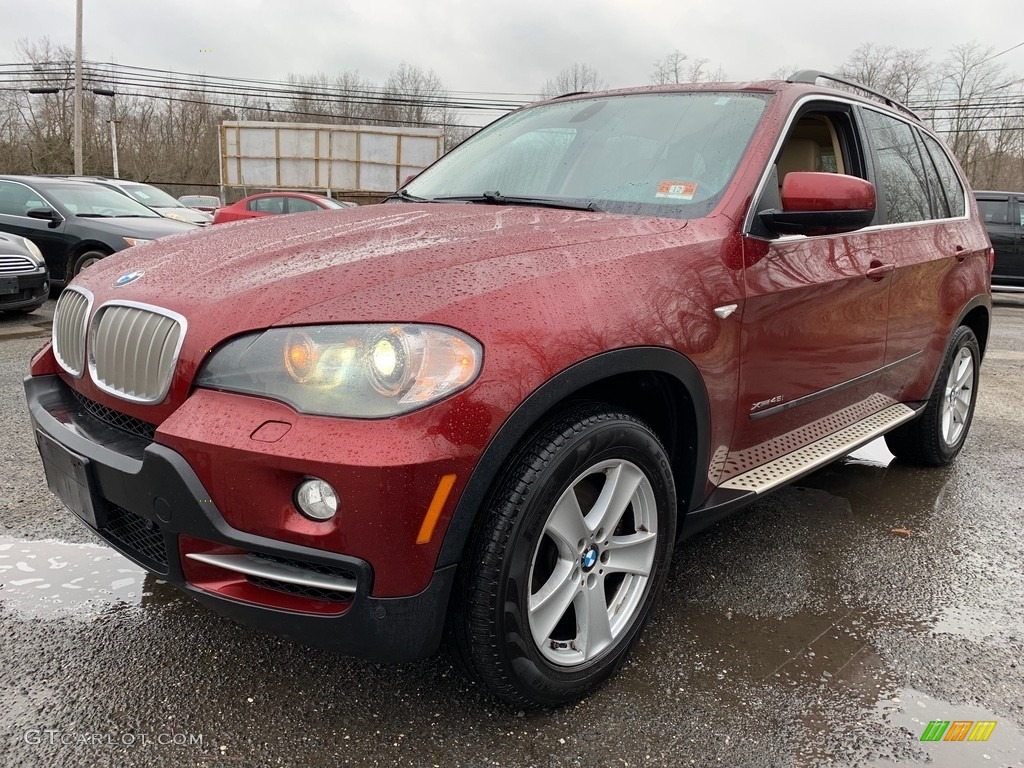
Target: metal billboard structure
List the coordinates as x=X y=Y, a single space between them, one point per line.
x=331 y=158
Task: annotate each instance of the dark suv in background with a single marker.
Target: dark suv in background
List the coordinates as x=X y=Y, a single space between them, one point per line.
x=1003 y=214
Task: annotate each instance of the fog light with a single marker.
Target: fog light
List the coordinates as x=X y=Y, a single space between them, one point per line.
x=316 y=499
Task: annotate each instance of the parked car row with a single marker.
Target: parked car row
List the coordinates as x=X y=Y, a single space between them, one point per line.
x=74 y=221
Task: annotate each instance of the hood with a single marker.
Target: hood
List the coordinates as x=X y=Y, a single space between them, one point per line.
x=257 y=273
x=187 y=214
x=148 y=228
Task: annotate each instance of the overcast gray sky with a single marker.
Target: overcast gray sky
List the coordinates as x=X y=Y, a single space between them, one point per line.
x=504 y=47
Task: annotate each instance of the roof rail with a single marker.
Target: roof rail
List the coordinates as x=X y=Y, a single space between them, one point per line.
x=571 y=93
x=811 y=77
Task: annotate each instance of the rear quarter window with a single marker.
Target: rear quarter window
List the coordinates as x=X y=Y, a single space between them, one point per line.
x=951 y=183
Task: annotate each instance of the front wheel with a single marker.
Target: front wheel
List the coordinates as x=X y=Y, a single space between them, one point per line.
x=86 y=259
x=936 y=437
x=569 y=559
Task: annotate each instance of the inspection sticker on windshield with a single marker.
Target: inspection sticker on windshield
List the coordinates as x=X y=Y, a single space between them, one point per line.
x=680 y=190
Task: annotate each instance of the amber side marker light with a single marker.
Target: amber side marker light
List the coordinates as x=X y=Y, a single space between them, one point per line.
x=434 y=510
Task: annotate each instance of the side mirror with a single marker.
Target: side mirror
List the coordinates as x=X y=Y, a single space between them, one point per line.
x=821 y=204
x=46 y=214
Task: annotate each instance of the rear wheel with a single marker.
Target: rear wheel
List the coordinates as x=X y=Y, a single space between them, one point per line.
x=936 y=437
x=569 y=560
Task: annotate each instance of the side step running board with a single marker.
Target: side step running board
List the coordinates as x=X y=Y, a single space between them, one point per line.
x=813 y=455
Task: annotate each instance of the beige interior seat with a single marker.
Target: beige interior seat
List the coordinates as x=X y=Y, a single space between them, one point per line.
x=799 y=155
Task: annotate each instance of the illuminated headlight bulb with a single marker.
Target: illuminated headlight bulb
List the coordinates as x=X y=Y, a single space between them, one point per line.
x=388 y=364
x=385 y=358
x=316 y=499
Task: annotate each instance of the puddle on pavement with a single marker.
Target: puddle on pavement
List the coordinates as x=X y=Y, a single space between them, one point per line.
x=50 y=579
x=976 y=623
x=913 y=710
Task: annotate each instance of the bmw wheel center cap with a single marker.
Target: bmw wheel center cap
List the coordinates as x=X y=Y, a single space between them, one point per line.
x=589 y=558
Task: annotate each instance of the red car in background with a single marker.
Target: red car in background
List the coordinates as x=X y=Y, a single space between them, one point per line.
x=275 y=203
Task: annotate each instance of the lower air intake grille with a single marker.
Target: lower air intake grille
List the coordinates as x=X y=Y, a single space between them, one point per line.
x=116 y=419
x=137 y=536
x=300 y=590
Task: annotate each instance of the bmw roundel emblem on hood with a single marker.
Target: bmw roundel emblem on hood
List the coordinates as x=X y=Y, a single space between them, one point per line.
x=129 y=277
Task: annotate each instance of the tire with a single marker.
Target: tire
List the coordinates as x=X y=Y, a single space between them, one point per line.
x=936 y=437
x=86 y=259
x=533 y=618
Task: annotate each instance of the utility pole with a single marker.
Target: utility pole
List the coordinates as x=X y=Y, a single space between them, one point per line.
x=78 y=88
x=113 y=124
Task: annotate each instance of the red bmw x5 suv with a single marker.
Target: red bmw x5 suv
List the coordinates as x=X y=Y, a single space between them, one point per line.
x=498 y=400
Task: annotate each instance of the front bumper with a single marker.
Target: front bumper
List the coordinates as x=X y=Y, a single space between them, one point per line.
x=145 y=501
x=24 y=290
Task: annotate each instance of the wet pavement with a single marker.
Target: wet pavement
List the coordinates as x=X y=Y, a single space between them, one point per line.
x=829 y=624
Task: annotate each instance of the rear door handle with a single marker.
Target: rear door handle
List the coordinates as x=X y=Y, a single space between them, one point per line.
x=878 y=271
x=960 y=254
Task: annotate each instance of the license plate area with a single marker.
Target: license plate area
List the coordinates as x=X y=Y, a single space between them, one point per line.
x=8 y=285
x=70 y=477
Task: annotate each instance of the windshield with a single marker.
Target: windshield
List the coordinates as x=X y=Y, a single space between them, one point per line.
x=663 y=154
x=95 y=201
x=151 y=196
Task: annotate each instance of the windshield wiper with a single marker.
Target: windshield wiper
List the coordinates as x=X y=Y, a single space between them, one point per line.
x=406 y=197
x=496 y=198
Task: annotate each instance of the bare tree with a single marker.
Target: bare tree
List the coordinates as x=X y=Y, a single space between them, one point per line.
x=965 y=101
x=414 y=96
x=578 y=77
x=678 y=67
x=897 y=72
x=967 y=96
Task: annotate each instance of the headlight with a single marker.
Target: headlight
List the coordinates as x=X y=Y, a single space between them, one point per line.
x=135 y=240
x=34 y=250
x=358 y=371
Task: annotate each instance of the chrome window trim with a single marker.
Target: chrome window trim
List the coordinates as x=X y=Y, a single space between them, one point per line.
x=748 y=220
x=89 y=299
x=179 y=319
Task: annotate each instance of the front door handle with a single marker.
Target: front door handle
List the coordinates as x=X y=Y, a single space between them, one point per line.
x=878 y=270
